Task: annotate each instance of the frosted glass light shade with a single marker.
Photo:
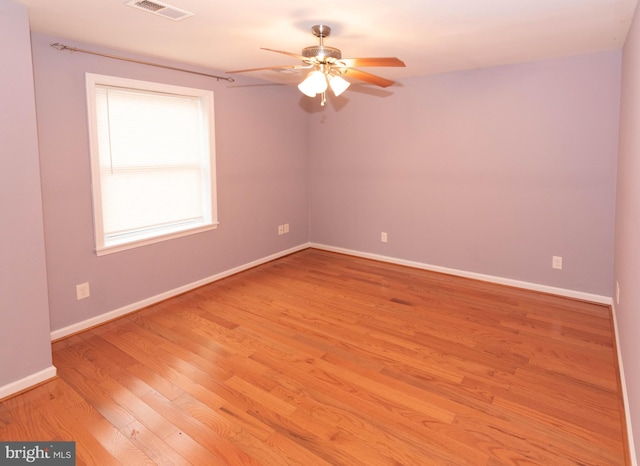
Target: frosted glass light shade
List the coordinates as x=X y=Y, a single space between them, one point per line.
x=338 y=84
x=314 y=83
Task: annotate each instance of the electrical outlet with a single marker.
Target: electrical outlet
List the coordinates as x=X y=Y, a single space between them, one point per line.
x=556 y=262
x=82 y=291
x=286 y=228
x=281 y=229
x=383 y=236
x=617 y=292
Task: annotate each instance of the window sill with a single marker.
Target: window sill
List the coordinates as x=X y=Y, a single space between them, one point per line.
x=131 y=244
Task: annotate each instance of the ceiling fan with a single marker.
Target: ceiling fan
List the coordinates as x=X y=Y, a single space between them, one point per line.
x=327 y=67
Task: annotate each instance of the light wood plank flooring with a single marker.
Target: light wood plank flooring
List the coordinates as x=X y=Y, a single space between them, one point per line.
x=319 y=358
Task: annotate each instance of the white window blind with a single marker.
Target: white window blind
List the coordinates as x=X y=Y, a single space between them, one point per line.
x=152 y=161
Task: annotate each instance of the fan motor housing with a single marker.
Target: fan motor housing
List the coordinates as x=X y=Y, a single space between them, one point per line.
x=321 y=52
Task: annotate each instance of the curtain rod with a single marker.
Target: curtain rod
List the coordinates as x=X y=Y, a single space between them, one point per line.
x=59 y=46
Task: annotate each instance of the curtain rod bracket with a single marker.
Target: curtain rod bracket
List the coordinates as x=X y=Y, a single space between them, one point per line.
x=59 y=46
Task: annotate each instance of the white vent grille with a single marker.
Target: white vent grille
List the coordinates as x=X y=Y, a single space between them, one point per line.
x=160 y=9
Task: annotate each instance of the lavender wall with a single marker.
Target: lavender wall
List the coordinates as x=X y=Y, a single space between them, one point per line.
x=262 y=183
x=489 y=171
x=627 y=238
x=24 y=332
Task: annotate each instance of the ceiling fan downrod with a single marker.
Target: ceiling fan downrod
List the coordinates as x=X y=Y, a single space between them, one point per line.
x=320 y=51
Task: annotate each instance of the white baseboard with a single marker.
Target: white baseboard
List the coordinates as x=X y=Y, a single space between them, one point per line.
x=92 y=322
x=477 y=276
x=102 y=318
x=623 y=383
x=27 y=382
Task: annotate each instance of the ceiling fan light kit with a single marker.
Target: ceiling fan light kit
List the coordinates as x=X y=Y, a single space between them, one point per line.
x=327 y=66
x=317 y=82
x=314 y=83
x=338 y=85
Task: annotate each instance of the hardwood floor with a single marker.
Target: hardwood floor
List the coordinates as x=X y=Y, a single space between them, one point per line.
x=320 y=358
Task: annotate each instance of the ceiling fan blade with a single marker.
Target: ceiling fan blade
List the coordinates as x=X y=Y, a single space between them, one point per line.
x=284 y=67
x=368 y=77
x=294 y=55
x=380 y=61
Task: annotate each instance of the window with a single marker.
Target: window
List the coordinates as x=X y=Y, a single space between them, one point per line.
x=152 y=161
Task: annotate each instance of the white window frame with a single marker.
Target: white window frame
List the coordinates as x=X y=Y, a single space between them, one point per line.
x=104 y=245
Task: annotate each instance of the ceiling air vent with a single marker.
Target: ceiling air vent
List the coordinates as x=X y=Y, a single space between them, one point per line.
x=160 y=9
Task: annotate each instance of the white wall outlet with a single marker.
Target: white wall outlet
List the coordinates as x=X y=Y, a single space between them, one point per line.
x=383 y=236
x=82 y=291
x=617 y=292
x=281 y=229
x=286 y=228
x=556 y=262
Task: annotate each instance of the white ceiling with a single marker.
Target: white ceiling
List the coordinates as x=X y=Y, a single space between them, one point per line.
x=430 y=36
